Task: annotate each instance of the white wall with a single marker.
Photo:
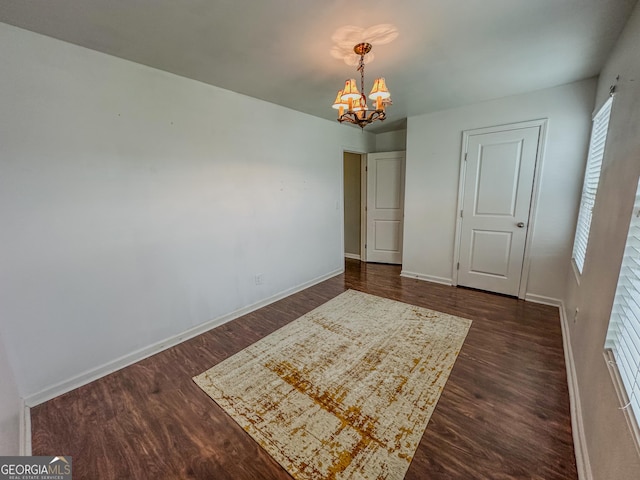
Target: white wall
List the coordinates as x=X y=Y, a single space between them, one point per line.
x=610 y=447
x=10 y=405
x=391 y=141
x=136 y=204
x=433 y=168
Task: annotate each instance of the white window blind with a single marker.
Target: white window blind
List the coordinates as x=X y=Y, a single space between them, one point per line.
x=623 y=336
x=591 y=179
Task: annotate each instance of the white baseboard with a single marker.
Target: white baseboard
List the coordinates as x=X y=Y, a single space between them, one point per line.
x=95 y=373
x=352 y=255
x=554 y=302
x=427 y=278
x=579 y=439
x=24 y=449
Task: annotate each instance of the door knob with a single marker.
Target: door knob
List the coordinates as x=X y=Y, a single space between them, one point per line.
x=520 y=224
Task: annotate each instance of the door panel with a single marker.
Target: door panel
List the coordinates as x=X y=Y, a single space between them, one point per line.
x=496 y=163
x=385 y=207
x=387 y=235
x=499 y=173
x=388 y=178
x=490 y=253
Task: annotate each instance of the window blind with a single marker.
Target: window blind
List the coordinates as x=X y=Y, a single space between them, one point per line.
x=623 y=335
x=591 y=179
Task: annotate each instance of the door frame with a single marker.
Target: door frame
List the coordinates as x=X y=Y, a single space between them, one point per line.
x=363 y=200
x=535 y=192
x=364 y=167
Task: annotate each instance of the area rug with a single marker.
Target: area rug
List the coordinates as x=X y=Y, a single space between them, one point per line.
x=345 y=391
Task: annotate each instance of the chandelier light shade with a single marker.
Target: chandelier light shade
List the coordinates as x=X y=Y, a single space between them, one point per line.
x=350 y=90
x=351 y=103
x=340 y=104
x=358 y=106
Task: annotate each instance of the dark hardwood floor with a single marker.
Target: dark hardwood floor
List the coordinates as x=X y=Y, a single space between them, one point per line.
x=504 y=413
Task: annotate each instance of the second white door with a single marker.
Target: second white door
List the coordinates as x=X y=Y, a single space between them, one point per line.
x=385 y=207
x=498 y=184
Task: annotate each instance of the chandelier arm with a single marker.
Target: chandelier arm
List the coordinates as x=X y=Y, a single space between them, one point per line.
x=364 y=121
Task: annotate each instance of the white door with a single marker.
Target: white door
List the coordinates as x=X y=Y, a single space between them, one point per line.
x=385 y=207
x=498 y=183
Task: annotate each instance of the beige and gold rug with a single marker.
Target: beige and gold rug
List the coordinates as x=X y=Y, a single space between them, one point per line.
x=345 y=391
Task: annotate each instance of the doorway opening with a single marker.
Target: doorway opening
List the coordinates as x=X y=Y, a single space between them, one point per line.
x=354 y=167
x=373 y=206
x=385 y=207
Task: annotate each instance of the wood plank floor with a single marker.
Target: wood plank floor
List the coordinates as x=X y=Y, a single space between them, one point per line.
x=504 y=413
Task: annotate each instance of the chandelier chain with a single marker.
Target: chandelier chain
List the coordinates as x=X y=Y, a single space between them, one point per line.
x=361 y=70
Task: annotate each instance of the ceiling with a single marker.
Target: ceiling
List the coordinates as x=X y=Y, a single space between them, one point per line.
x=447 y=53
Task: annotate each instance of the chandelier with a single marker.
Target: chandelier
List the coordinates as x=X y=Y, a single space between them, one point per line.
x=352 y=104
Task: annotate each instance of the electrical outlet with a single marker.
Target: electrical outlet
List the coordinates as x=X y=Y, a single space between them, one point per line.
x=259 y=278
x=575 y=315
